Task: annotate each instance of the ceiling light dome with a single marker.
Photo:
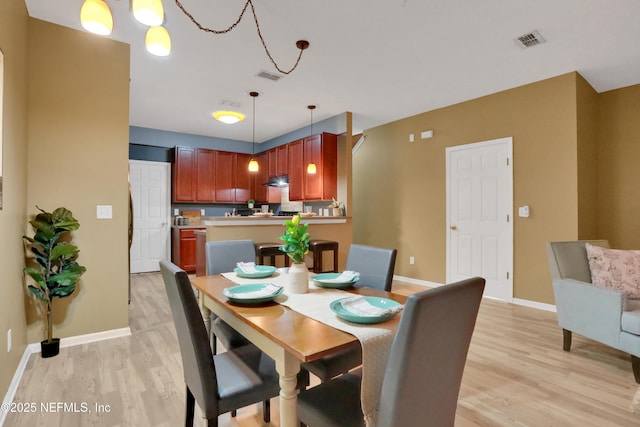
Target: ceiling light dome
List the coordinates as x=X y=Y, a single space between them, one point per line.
x=228 y=117
x=96 y=17
x=158 y=41
x=148 y=12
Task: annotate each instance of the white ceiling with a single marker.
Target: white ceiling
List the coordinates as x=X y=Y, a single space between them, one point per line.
x=383 y=60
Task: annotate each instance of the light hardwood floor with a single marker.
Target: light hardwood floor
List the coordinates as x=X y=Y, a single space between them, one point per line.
x=516 y=374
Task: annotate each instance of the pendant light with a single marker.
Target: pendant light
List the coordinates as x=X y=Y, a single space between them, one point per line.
x=158 y=41
x=311 y=168
x=148 y=12
x=253 y=163
x=95 y=17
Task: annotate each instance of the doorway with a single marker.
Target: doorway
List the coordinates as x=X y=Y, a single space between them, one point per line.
x=150 y=191
x=480 y=215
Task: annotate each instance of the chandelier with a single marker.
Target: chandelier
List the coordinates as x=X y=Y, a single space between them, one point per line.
x=96 y=17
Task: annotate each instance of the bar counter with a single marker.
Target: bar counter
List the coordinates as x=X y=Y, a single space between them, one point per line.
x=268 y=229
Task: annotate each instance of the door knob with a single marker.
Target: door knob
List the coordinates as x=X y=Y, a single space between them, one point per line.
x=453 y=227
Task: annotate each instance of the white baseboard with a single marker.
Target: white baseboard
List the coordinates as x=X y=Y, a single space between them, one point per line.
x=13 y=387
x=516 y=301
x=413 y=281
x=64 y=342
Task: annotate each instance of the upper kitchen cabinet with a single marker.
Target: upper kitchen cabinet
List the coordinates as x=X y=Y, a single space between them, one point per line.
x=225 y=177
x=296 y=174
x=244 y=178
x=322 y=150
x=184 y=174
x=282 y=160
x=261 y=192
x=205 y=176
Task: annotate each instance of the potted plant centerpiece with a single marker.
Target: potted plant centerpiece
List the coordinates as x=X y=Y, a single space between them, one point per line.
x=55 y=271
x=296 y=245
x=250 y=203
x=337 y=207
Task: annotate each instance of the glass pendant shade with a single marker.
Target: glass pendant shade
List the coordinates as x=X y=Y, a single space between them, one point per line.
x=158 y=41
x=253 y=165
x=95 y=17
x=311 y=169
x=148 y=12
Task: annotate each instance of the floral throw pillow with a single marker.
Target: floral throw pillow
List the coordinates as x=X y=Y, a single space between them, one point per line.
x=615 y=269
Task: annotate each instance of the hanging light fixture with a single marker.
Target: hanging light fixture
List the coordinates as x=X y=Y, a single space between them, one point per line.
x=253 y=163
x=95 y=17
x=311 y=168
x=148 y=12
x=158 y=41
x=300 y=44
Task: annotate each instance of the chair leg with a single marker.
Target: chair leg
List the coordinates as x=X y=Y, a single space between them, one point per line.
x=635 y=365
x=234 y=413
x=214 y=344
x=190 y=409
x=212 y=422
x=566 y=340
x=266 y=410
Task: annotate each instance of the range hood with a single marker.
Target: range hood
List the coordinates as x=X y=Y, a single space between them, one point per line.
x=278 y=181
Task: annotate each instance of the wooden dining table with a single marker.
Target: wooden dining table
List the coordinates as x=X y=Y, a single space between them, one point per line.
x=287 y=336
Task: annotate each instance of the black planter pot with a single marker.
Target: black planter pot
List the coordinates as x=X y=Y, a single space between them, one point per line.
x=50 y=349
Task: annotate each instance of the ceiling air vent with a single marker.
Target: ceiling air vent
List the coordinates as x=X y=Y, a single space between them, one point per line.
x=530 y=39
x=268 y=76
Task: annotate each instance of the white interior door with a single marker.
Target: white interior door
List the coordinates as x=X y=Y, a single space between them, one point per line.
x=150 y=190
x=480 y=215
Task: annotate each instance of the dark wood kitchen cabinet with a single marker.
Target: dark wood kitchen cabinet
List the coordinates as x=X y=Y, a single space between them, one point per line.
x=282 y=160
x=261 y=193
x=205 y=176
x=244 y=179
x=225 y=177
x=184 y=174
x=184 y=248
x=296 y=174
x=322 y=150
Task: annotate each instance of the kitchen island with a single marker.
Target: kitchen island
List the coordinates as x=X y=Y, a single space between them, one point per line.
x=268 y=229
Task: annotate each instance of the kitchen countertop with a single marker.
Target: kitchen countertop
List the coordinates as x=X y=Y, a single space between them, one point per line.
x=223 y=221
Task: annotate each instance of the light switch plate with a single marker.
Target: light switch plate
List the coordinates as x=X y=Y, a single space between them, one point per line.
x=523 y=211
x=104 y=212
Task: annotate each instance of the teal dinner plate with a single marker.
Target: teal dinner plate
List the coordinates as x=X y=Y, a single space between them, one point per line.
x=343 y=313
x=263 y=271
x=235 y=293
x=320 y=280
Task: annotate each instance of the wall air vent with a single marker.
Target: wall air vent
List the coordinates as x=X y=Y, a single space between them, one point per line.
x=269 y=76
x=530 y=39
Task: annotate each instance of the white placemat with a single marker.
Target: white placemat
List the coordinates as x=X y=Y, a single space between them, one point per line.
x=375 y=339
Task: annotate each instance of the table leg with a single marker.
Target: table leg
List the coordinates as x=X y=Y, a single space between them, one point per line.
x=206 y=313
x=288 y=367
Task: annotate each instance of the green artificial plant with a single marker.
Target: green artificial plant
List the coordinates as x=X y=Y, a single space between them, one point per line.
x=296 y=239
x=56 y=271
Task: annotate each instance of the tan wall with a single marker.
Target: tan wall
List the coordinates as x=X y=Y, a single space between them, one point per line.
x=619 y=167
x=399 y=187
x=77 y=155
x=13 y=42
x=587 y=126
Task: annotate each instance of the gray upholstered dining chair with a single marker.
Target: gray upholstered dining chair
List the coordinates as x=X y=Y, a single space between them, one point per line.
x=424 y=371
x=376 y=267
x=222 y=257
x=224 y=382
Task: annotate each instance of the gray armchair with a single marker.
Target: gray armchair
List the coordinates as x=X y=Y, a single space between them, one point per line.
x=602 y=315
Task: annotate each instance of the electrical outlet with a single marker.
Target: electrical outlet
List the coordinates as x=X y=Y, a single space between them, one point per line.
x=201 y=211
x=8 y=340
x=176 y=212
x=412 y=260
